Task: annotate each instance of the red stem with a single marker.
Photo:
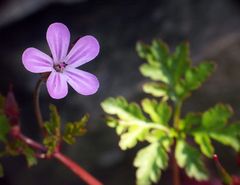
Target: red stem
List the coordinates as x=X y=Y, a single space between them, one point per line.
x=77 y=169
x=74 y=167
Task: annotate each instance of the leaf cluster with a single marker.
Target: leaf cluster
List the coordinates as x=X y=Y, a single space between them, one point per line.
x=159 y=123
x=54 y=135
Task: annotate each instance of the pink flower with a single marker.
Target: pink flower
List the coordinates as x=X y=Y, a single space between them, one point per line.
x=62 y=64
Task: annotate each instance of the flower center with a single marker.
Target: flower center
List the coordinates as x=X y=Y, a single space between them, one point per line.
x=60 y=67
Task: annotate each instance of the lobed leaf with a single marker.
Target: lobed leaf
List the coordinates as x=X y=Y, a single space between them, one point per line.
x=217 y=116
x=150 y=161
x=203 y=140
x=130 y=124
x=73 y=130
x=159 y=112
x=120 y=107
x=156 y=89
x=188 y=157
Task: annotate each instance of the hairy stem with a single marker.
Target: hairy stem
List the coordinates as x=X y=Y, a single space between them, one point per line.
x=37 y=109
x=70 y=164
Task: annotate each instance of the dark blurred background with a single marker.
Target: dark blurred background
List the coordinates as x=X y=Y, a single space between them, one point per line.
x=211 y=27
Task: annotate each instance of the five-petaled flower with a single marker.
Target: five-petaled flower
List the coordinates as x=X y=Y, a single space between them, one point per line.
x=62 y=64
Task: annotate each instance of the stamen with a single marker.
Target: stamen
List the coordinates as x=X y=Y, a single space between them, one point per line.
x=60 y=67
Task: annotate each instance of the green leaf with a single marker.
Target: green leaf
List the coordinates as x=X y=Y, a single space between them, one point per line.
x=191 y=121
x=181 y=60
x=53 y=128
x=188 y=158
x=156 y=89
x=194 y=77
x=217 y=116
x=150 y=161
x=73 y=130
x=159 y=112
x=131 y=123
x=153 y=72
x=30 y=156
x=53 y=125
x=226 y=138
x=4 y=128
x=51 y=143
x=205 y=144
x=120 y=107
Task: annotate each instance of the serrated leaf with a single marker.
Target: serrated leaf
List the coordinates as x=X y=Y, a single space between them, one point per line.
x=73 y=130
x=53 y=128
x=188 y=158
x=226 y=138
x=160 y=112
x=205 y=144
x=153 y=72
x=191 y=121
x=53 y=125
x=134 y=133
x=51 y=143
x=120 y=107
x=132 y=124
x=156 y=89
x=181 y=60
x=150 y=161
x=217 y=116
x=4 y=128
x=194 y=77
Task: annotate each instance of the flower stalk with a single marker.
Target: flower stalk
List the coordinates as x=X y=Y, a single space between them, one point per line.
x=37 y=109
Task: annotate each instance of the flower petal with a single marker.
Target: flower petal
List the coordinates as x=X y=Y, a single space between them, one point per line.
x=58 y=38
x=83 y=82
x=36 y=61
x=85 y=50
x=57 y=85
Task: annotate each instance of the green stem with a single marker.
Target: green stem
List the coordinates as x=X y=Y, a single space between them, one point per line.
x=177 y=113
x=37 y=109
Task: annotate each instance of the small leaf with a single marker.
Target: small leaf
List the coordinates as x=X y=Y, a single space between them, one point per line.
x=205 y=144
x=4 y=128
x=156 y=89
x=30 y=156
x=54 y=124
x=217 y=116
x=73 y=130
x=159 y=112
x=51 y=143
x=188 y=158
x=150 y=161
